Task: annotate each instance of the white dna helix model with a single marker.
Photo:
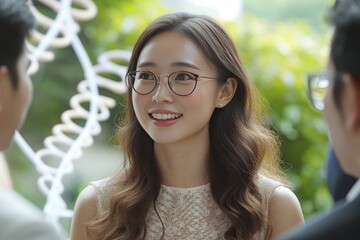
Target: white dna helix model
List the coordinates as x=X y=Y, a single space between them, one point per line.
x=62 y=146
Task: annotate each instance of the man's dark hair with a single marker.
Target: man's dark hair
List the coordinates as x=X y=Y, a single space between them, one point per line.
x=16 y=22
x=345 y=45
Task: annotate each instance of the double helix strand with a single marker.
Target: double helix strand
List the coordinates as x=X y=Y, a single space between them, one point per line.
x=63 y=133
x=55 y=35
x=68 y=138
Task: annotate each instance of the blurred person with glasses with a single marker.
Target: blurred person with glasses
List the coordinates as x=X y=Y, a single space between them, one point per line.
x=339 y=183
x=199 y=161
x=341 y=105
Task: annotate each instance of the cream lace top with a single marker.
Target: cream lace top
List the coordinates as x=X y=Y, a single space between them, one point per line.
x=187 y=213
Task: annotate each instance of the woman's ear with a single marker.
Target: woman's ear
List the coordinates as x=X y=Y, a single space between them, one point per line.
x=227 y=92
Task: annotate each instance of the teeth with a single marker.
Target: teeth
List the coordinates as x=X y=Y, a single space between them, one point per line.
x=162 y=116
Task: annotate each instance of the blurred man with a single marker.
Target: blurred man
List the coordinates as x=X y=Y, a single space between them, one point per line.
x=342 y=113
x=19 y=219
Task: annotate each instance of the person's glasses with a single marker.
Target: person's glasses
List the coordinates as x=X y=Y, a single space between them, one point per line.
x=181 y=83
x=317 y=86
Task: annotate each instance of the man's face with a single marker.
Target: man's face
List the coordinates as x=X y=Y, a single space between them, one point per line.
x=337 y=118
x=15 y=102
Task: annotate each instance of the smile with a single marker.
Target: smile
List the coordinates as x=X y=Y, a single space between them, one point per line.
x=165 y=116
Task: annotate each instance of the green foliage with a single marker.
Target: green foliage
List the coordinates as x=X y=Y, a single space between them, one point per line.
x=312 y=12
x=119 y=23
x=277 y=57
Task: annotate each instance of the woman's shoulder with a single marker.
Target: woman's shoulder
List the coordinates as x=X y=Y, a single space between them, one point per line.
x=282 y=205
x=284 y=211
x=101 y=191
x=268 y=185
x=85 y=210
x=102 y=186
x=92 y=201
x=87 y=199
x=272 y=189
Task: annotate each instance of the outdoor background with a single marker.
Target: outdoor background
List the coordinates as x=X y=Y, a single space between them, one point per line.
x=279 y=42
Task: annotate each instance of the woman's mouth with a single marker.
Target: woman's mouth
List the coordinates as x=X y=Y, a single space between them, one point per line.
x=165 y=116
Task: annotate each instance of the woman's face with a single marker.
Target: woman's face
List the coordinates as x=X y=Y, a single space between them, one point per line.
x=15 y=102
x=165 y=116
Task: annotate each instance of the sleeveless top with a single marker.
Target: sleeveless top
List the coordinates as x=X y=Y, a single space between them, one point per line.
x=187 y=213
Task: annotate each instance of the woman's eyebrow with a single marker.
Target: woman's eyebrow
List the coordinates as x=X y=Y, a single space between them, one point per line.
x=185 y=64
x=174 y=64
x=147 y=64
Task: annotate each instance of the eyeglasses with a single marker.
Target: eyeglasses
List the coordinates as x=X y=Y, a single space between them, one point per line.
x=317 y=86
x=181 y=83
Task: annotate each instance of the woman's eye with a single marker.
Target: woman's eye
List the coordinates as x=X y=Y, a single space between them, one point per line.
x=146 y=76
x=185 y=76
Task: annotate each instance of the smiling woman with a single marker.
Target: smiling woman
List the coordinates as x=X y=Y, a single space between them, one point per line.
x=199 y=163
x=194 y=100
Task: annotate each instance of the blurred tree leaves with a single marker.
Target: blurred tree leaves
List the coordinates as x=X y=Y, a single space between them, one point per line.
x=277 y=57
x=313 y=12
x=119 y=23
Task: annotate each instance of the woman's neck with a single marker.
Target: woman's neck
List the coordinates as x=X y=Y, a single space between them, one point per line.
x=184 y=164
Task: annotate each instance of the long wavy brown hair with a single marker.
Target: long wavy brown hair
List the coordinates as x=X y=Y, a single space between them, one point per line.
x=240 y=144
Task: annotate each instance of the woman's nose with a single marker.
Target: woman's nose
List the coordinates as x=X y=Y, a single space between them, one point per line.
x=162 y=91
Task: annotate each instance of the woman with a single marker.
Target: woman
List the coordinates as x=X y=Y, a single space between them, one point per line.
x=195 y=148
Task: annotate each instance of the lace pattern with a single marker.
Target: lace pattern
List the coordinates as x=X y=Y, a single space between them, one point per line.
x=187 y=213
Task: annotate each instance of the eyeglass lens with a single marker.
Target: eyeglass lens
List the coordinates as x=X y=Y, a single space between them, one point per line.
x=318 y=86
x=181 y=83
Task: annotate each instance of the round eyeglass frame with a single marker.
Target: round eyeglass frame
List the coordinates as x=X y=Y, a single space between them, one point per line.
x=131 y=82
x=317 y=103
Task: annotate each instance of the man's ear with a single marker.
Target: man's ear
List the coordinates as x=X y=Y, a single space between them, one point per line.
x=4 y=74
x=227 y=92
x=4 y=84
x=353 y=102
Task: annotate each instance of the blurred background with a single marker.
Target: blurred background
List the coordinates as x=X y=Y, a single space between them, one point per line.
x=279 y=42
